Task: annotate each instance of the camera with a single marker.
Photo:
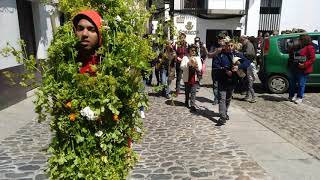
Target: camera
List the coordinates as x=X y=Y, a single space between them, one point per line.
x=297 y=58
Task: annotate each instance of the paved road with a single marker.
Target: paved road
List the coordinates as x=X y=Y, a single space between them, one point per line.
x=177 y=144
x=182 y=145
x=299 y=124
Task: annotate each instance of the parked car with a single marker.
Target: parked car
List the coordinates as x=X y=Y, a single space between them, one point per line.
x=273 y=71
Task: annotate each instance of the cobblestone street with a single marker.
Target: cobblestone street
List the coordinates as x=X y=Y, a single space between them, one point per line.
x=182 y=145
x=23 y=155
x=179 y=144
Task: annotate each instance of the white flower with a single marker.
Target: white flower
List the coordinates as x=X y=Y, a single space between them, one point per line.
x=138 y=130
x=88 y=113
x=118 y=18
x=98 y=134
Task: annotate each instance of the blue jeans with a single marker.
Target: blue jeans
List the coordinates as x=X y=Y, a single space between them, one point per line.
x=165 y=81
x=297 y=83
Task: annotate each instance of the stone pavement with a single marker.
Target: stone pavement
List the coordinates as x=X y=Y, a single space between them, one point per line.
x=177 y=144
x=23 y=143
x=182 y=145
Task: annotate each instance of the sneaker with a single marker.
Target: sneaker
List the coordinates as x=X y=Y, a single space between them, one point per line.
x=193 y=109
x=246 y=99
x=142 y=115
x=227 y=117
x=252 y=101
x=298 y=101
x=221 y=121
x=292 y=99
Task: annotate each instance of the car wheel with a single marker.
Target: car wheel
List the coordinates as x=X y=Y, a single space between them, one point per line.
x=278 y=84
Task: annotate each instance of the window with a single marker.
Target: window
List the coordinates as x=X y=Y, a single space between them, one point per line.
x=194 y=4
x=286 y=43
x=316 y=43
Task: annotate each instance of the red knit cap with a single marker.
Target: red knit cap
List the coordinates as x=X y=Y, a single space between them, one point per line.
x=94 y=17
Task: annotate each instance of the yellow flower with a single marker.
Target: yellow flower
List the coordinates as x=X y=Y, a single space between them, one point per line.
x=69 y=105
x=72 y=117
x=115 y=117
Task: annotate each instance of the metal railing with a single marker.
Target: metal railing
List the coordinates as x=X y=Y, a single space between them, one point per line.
x=197 y=7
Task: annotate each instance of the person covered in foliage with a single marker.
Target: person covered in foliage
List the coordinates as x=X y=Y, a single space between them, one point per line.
x=88 y=25
x=300 y=64
x=191 y=66
x=227 y=77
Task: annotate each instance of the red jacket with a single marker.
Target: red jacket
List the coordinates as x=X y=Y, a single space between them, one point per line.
x=309 y=52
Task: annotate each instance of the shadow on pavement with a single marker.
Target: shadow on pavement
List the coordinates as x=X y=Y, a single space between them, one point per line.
x=154 y=94
x=203 y=99
x=205 y=112
x=207 y=85
x=273 y=98
x=174 y=103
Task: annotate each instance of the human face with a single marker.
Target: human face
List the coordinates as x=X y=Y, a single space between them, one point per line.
x=231 y=47
x=192 y=52
x=87 y=33
x=182 y=37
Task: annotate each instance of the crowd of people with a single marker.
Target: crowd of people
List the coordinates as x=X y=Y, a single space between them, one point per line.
x=234 y=65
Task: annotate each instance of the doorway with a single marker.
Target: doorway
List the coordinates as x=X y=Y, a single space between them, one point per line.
x=212 y=40
x=26 y=25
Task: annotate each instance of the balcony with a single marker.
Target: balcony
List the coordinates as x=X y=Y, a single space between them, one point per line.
x=211 y=9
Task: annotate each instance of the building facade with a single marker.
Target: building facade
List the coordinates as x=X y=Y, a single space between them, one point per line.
x=206 y=18
x=281 y=15
x=31 y=21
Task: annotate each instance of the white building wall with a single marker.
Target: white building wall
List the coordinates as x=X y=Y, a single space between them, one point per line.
x=200 y=26
x=226 y=4
x=9 y=31
x=43 y=27
x=253 y=18
x=297 y=14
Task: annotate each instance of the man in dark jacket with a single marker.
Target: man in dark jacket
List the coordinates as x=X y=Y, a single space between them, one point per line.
x=226 y=72
x=88 y=25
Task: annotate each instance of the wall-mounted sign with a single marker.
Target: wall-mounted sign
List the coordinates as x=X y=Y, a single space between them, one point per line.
x=190 y=32
x=189 y=26
x=180 y=19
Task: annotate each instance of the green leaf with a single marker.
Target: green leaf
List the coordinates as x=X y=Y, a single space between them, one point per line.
x=79 y=138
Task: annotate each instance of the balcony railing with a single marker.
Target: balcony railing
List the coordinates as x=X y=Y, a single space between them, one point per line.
x=211 y=8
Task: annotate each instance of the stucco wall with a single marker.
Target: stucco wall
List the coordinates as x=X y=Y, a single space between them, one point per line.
x=43 y=27
x=226 y=4
x=295 y=14
x=9 y=31
x=253 y=18
x=200 y=26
